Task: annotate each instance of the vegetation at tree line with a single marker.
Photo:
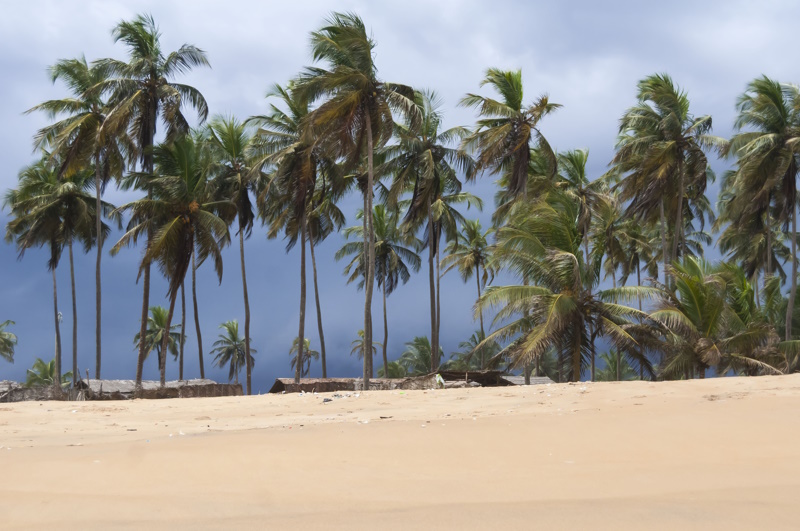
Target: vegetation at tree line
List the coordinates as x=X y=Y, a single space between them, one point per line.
x=612 y=260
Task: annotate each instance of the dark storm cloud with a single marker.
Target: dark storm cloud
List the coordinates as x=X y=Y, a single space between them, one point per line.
x=587 y=55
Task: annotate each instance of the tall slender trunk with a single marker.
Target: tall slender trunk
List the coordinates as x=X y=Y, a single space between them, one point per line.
x=301 y=333
x=197 y=316
x=247 y=361
x=793 y=289
x=57 y=382
x=183 y=332
x=639 y=297
x=679 y=212
x=619 y=365
x=323 y=359
x=385 y=333
x=664 y=254
x=438 y=297
x=434 y=327
x=97 y=283
x=74 y=315
x=147 y=159
x=370 y=269
x=527 y=373
x=480 y=310
x=165 y=340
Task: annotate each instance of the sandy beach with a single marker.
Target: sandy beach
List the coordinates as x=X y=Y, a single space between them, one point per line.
x=703 y=454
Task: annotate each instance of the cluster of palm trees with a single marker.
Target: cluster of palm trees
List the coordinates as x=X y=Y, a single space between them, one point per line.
x=338 y=128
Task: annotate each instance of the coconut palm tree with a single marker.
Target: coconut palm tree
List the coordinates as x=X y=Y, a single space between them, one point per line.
x=395 y=256
x=424 y=164
x=57 y=212
x=231 y=350
x=416 y=358
x=508 y=130
x=157 y=334
x=231 y=143
x=475 y=355
x=43 y=374
x=703 y=329
x=616 y=369
x=354 y=116
x=142 y=92
x=180 y=218
x=561 y=309
x=768 y=161
x=307 y=353
x=660 y=153
x=468 y=253
x=395 y=370
x=7 y=342
x=79 y=141
x=358 y=346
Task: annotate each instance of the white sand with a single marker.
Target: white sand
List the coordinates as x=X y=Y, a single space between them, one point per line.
x=712 y=454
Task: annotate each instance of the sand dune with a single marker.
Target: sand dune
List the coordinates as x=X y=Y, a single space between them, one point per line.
x=712 y=454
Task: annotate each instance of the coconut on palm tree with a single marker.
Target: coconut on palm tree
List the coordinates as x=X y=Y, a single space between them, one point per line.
x=180 y=218
x=80 y=142
x=354 y=116
x=142 y=93
x=231 y=349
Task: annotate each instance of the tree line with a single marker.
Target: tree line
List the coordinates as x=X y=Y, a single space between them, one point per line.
x=338 y=128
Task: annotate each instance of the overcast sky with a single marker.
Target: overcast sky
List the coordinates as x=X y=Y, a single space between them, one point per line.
x=587 y=56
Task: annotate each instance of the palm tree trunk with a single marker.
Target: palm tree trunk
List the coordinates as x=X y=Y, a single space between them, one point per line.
x=438 y=299
x=248 y=364
x=793 y=290
x=619 y=365
x=664 y=254
x=480 y=310
x=143 y=325
x=679 y=212
x=301 y=333
x=527 y=373
x=165 y=340
x=385 y=333
x=319 y=310
x=434 y=342
x=97 y=282
x=370 y=269
x=639 y=297
x=57 y=382
x=183 y=332
x=74 y=316
x=197 y=316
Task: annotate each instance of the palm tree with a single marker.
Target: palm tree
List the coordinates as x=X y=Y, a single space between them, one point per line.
x=504 y=135
x=182 y=221
x=475 y=354
x=395 y=370
x=157 y=335
x=43 y=374
x=142 y=93
x=307 y=353
x=55 y=211
x=767 y=151
x=394 y=255
x=660 y=152
x=468 y=253
x=561 y=310
x=231 y=143
x=616 y=368
x=7 y=342
x=416 y=358
x=358 y=346
x=702 y=328
x=79 y=141
x=355 y=116
x=232 y=350
x=423 y=163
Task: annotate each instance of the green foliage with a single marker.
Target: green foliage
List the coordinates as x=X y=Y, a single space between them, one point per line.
x=416 y=358
x=156 y=329
x=396 y=370
x=230 y=350
x=7 y=342
x=43 y=374
x=308 y=356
